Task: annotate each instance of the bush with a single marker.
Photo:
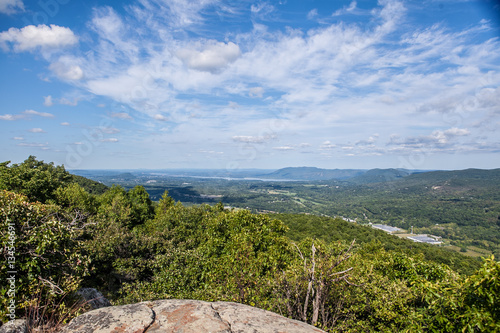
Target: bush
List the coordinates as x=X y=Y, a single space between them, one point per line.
x=40 y=244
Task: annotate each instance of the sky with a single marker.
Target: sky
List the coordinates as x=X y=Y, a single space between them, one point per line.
x=209 y=84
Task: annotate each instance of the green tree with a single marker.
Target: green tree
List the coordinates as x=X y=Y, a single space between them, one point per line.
x=141 y=206
x=35 y=179
x=42 y=244
x=467 y=304
x=74 y=198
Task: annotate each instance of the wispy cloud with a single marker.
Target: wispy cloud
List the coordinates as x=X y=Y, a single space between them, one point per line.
x=26 y=115
x=253 y=139
x=11 y=6
x=346 y=9
x=11 y=117
x=121 y=115
x=48 y=101
x=383 y=84
x=40 y=114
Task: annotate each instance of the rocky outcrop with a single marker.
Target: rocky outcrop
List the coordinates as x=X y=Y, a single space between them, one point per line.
x=186 y=316
x=94 y=298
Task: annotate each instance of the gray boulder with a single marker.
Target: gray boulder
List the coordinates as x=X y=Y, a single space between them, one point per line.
x=186 y=316
x=14 y=326
x=93 y=297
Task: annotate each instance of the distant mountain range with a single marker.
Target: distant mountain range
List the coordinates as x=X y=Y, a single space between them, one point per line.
x=351 y=175
x=286 y=174
x=311 y=173
x=355 y=176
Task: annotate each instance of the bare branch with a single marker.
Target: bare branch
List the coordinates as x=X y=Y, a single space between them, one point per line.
x=338 y=273
x=55 y=288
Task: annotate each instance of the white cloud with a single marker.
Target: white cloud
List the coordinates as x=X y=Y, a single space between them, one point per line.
x=11 y=6
x=48 y=101
x=120 y=115
x=66 y=101
x=368 y=142
x=253 y=139
x=110 y=140
x=262 y=10
x=36 y=130
x=284 y=148
x=34 y=145
x=18 y=138
x=65 y=123
x=180 y=13
x=438 y=139
x=211 y=56
x=40 y=114
x=32 y=37
x=312 y=14
x=110 y=130
x=452 y=132
x=346 y=9
x=328 y=145
x=25 y=114
x=66 y=69
x=11 y=117
x=160 y=117
x=256 y=92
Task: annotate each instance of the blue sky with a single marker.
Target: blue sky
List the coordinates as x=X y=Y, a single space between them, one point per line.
x=251 y=84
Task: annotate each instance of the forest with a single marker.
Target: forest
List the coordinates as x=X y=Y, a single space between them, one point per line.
x=462 y=207
x=61 y=232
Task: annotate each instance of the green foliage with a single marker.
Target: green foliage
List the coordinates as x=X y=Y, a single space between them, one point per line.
x=312 y=287
x=39 y=181
x=130 y=208
x=35 y=179
x=141 y=206
x=73 y=197
x=41 y=244
x=328 y=229
x=244 y=252
x=469 y=304
x=89 y=185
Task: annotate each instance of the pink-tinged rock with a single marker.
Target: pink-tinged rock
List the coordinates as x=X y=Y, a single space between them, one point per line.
x=185 y=316
x=133 y=318
x=244 y=318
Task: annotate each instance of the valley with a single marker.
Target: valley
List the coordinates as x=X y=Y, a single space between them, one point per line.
x=462 y=207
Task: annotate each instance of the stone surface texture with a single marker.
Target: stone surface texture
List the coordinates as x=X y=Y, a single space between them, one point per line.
x=93 y=297
x=14 y=326
x=185 y=316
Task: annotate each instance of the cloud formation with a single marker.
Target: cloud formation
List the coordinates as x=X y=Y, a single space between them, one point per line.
x=351 y=81
x=66 y=69
x=42 y=36
x=11 y=6
x=26 y=115
x=211 y=57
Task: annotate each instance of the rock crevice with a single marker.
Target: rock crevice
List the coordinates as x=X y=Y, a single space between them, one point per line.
x=218 y=316
x=152 y=322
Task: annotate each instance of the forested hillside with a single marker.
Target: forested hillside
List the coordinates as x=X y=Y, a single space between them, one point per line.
x=462 y=207
x=68 y=234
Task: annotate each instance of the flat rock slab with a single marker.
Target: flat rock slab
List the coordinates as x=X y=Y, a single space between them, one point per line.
x=244 y=318
x=185 y=316
x=132 y=318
